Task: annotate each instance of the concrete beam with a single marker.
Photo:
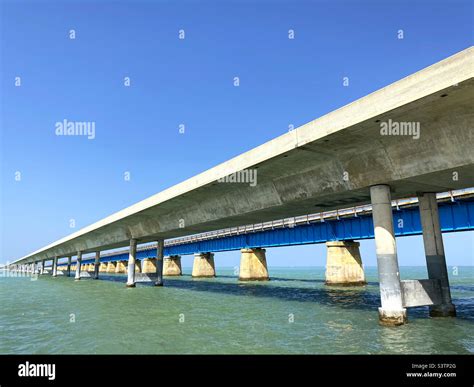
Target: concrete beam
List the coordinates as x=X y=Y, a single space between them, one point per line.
x=421 y=292
x=149 y=265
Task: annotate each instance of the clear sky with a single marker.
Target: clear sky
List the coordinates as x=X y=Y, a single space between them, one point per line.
x=50 y=183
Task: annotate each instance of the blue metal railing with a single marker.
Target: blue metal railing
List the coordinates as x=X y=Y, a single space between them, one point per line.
x=454 y=216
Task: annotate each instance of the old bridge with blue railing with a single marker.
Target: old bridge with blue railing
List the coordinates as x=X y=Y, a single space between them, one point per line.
x=455 y=215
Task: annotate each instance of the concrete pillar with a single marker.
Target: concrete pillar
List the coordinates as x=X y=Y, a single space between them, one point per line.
x=35 y=267
x=253 y=265
x=392 y=311
x=96 y=265
x=343 y=264
x=69 y=266
x=55 y=266
x=111 y=266
x=149 y=265
x=131 y=263
x=160 y=247
x=172 y=265
x=203 y=265
x=121 y=267
x=78 y=266
x=434 y=252
x=42 y=266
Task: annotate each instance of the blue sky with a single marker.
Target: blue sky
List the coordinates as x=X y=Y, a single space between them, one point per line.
x=191 y=81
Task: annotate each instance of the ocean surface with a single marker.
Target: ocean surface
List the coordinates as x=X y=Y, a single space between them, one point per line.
x=293 y=313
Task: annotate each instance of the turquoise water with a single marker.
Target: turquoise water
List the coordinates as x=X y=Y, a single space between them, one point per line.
x=293 y=313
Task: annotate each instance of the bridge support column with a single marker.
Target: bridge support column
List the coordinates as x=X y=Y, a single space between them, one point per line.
x=203 y=265
x=120 y=268
x=42 y=266
x=111 y=266
x=35 y=267
x=434 y=252
x=392 y=311
x=160 y=247
x=78 y=265
x=253 y=265
x=55 y=266
x=96 y=265
x=172 y=265
x=69 y=266
x=131 y=263
x=343 y=264
x=149 y=265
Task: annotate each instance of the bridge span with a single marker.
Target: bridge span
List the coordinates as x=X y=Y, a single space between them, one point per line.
x=365 y=152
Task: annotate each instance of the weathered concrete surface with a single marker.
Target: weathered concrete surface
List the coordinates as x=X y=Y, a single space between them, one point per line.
x=145 y=277
x=172 y=266
x=344 y=264
x=392 y=311
x=111 y=267
x=253 y=265
x=149 y=266
x=132 y=263
x=203 y=265
x=121 y=267
x=78 y=265
x=326 y=164
x=434 y=251
x=421 y=292
x=96 y=264
x=160 y=249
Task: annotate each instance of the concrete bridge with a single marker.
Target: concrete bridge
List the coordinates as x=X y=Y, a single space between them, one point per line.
x=456 y=213
x=412 y=138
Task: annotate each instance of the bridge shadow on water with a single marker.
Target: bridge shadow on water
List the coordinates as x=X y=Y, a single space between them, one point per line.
x=344 y=297
x=358 y=298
